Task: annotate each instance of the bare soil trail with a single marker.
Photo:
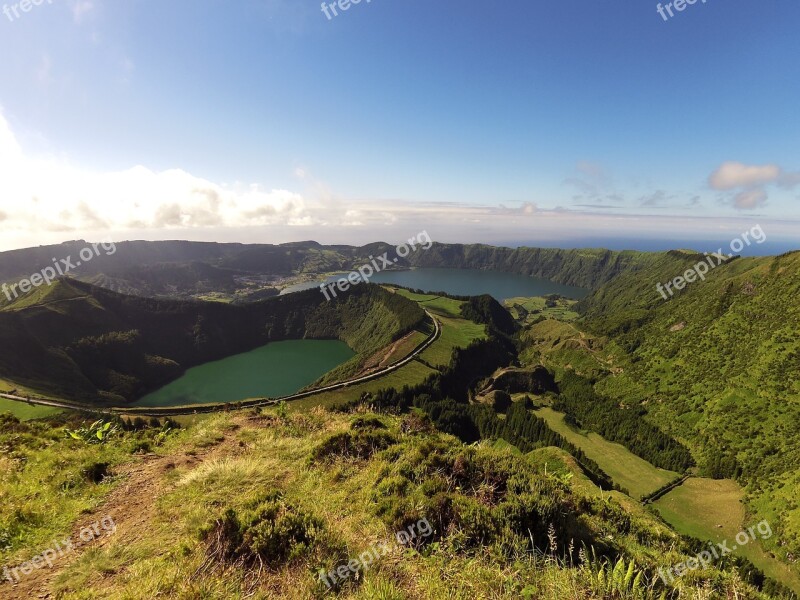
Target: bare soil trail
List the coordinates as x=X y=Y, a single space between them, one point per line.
x=131 y=506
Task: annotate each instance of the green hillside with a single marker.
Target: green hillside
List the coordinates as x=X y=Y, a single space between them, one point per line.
x=180 y=269
x=587 y=268
x=86 y=343
x=256 y=504
x=642 y=392
x=716 y=367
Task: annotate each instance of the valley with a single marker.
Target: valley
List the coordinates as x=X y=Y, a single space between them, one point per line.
x=612 y=412
x=414 y=301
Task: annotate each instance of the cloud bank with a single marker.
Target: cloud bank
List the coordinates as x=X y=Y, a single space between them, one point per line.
x=750 y=182
x=47 y=200
x=49 y=195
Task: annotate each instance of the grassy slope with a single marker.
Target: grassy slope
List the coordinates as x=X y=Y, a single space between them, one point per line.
x=456 y=333
x=536 y=308
x=220 y=462
x=562 y=463
x=717 y=367
x=636 y=475
x=26 y=412
x=658 y=345
x=588 y=268
x=712 y=510
x=560 y=346
x=706 y=509
x=22 y=410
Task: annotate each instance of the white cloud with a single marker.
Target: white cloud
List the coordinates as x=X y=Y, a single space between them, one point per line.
x=48 y=200
x=750 y=182
x=50 y=195
x=595 y=185
x=732 y=175
x=750 y=199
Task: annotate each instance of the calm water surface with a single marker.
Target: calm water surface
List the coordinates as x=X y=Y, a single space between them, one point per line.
x=277 y=369
x=465 y=282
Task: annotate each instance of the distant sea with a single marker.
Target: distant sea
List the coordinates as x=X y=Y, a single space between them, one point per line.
x=769 y=247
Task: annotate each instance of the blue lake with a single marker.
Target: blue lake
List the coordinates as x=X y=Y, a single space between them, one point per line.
x=465 y=282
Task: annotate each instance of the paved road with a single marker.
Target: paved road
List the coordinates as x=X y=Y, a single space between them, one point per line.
x=172 y=411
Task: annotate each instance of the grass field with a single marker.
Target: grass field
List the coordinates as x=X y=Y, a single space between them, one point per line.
x=712 y=510
x=698 y=506
x=21 y=410
x=456 y=331
x=436 y=304
x=535 y=307
x=26 y=412
x=561 y=463
x=411 y=374
x=635 y=474
x=406 y=347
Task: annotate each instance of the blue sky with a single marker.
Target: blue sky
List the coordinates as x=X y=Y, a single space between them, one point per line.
x=531 y=122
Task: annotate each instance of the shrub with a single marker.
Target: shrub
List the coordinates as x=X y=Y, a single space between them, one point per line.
x=367 y=423
x=417 y=422
x=95 y=472
x=98 y=432
x=270 y=531
x=361 y=444
x=475 y=497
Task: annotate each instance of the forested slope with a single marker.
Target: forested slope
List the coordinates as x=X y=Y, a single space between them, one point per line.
x=717 y=366
x=81 y=341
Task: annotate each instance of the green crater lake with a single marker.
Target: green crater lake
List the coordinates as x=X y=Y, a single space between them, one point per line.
x=277 y=369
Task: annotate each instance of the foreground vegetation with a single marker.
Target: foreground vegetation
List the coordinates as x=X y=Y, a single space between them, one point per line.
x=254 y=504
x=466 y=437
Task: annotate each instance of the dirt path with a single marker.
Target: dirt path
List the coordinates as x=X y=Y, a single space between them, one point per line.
x=383 y=357
x=131 y=506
